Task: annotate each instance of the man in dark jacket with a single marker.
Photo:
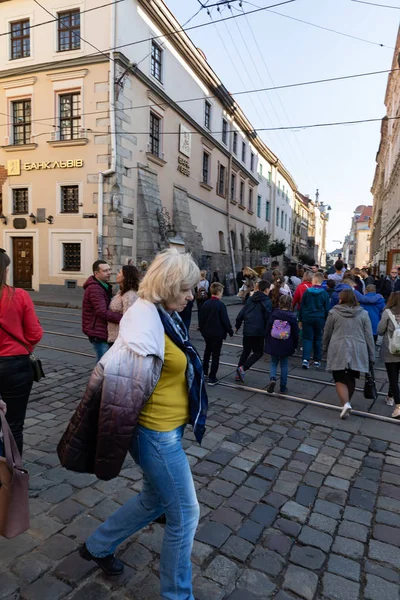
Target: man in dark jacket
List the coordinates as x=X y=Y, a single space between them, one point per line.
x=255 y=314
x=314 y=309
x=95 y=313
x=390 y=284
x=367 y=278
x=214 y=325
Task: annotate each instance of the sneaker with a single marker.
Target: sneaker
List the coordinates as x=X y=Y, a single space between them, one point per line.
x=396 y=412
x=212 y=381
x=109 y=564
x=240 y=374
x=305 y=364
x=237 y=378
x=389 y=401
x=317 y=364
x=345 y=410
x=271 y=386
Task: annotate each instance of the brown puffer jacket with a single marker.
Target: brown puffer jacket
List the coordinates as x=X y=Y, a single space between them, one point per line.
x=99 y=434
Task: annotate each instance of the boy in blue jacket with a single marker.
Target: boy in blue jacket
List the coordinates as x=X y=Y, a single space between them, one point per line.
x=255 y=314
x=314 y=309
x=214 y=325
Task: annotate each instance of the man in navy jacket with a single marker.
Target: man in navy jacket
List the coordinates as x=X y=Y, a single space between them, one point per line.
x=214 y=325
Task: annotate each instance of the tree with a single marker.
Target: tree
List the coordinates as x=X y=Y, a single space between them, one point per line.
x=277 y=248
x=258 y=240
x=306 y=259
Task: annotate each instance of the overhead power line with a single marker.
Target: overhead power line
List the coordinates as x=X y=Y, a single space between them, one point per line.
x=375 y=4
x=349 y=35
x=239 y=93
x=56 y=19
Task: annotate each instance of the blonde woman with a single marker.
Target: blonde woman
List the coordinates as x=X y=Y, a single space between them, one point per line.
x=151 y=386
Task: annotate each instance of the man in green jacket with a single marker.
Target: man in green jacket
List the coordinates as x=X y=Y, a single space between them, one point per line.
x=314 y=309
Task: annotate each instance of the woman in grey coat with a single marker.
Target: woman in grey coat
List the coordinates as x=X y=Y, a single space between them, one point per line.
x=392 y=361
x=350 y=345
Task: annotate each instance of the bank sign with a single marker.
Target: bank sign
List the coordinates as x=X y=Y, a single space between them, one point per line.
x=14 y=167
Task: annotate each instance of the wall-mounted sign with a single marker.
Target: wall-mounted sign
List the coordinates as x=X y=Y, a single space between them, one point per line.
x=183 y=166
x=185 y=140
x=14 y=166
x=89 y=215
x=19 y=223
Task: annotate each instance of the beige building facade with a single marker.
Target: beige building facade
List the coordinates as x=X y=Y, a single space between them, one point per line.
x=385 y=226
x=118 y=140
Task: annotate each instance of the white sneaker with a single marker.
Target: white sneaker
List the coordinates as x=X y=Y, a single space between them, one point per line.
x=345 y=410
x=389 y=401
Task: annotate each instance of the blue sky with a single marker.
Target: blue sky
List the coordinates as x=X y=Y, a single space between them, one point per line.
x=339 y=161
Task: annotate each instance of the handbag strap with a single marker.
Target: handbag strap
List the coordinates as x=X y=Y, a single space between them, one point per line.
x=13 y=457
x=15 y=338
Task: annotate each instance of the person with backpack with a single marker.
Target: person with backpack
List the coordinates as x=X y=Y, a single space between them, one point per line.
x=374 y=304
x=255 y=314
x=214 y=325
x=389 y=327
x=282 y=336
x=202 y=291
x=314 y=309
x=350 y=346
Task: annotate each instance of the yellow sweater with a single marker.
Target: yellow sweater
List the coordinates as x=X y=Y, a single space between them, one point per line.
x=168 y=406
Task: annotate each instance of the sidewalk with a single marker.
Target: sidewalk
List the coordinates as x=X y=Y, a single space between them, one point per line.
x=66 y=298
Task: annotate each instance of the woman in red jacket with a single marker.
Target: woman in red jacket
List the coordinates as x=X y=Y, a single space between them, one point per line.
x=18 y=318
x=301 y=288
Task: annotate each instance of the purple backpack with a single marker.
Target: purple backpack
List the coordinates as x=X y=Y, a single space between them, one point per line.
x=280 y=330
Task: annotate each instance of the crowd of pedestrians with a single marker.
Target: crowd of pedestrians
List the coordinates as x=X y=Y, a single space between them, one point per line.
x=149 y=381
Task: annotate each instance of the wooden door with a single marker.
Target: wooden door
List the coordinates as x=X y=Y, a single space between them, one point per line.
x=23 y=262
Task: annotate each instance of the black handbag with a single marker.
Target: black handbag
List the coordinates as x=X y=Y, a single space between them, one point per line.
x=370 y=391
x=36 y=363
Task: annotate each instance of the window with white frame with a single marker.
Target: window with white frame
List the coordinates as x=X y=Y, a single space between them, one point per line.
x=70 y=115
x=69 y=30
x=241 y=193
x=156 y=60
x=155 y=135
x=233 y=186
x=20 y=39
x=69 y=199
x=235 y=141
x=21 y=122
x=206 y=168
x=207 y=115
x=221 y=180
x=20 y=201
x=225 y=132
x=71 y=256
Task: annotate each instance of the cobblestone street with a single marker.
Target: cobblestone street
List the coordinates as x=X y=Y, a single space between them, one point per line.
x=294 y=504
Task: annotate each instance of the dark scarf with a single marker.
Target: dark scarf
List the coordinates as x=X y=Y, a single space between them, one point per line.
x=198 y=401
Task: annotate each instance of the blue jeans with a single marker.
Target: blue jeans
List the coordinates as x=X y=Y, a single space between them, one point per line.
x=167 y=488
x=312 y=338
x=100 y=348
x=275 y=360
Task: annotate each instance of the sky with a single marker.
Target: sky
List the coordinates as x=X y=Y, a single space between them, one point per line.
x=266 y=49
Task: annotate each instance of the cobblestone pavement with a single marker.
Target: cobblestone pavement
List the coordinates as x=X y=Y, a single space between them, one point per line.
x=295 y=504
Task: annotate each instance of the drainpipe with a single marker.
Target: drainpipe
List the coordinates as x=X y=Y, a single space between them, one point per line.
x=228 y=208
x=112 y=169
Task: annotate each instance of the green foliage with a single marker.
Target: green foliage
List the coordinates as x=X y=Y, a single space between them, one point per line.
x=306 y=259
x=277 y=248
x=258 y=240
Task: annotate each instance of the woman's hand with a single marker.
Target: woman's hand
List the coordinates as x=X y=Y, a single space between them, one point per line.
x=3 y=406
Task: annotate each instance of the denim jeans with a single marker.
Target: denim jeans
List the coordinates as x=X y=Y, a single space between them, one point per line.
x=167 y=488
x=16 y=379
x=100 y=348
x=275 y=360
x=312 y=338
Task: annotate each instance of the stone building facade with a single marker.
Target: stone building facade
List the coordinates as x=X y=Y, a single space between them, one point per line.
x=385 y=223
